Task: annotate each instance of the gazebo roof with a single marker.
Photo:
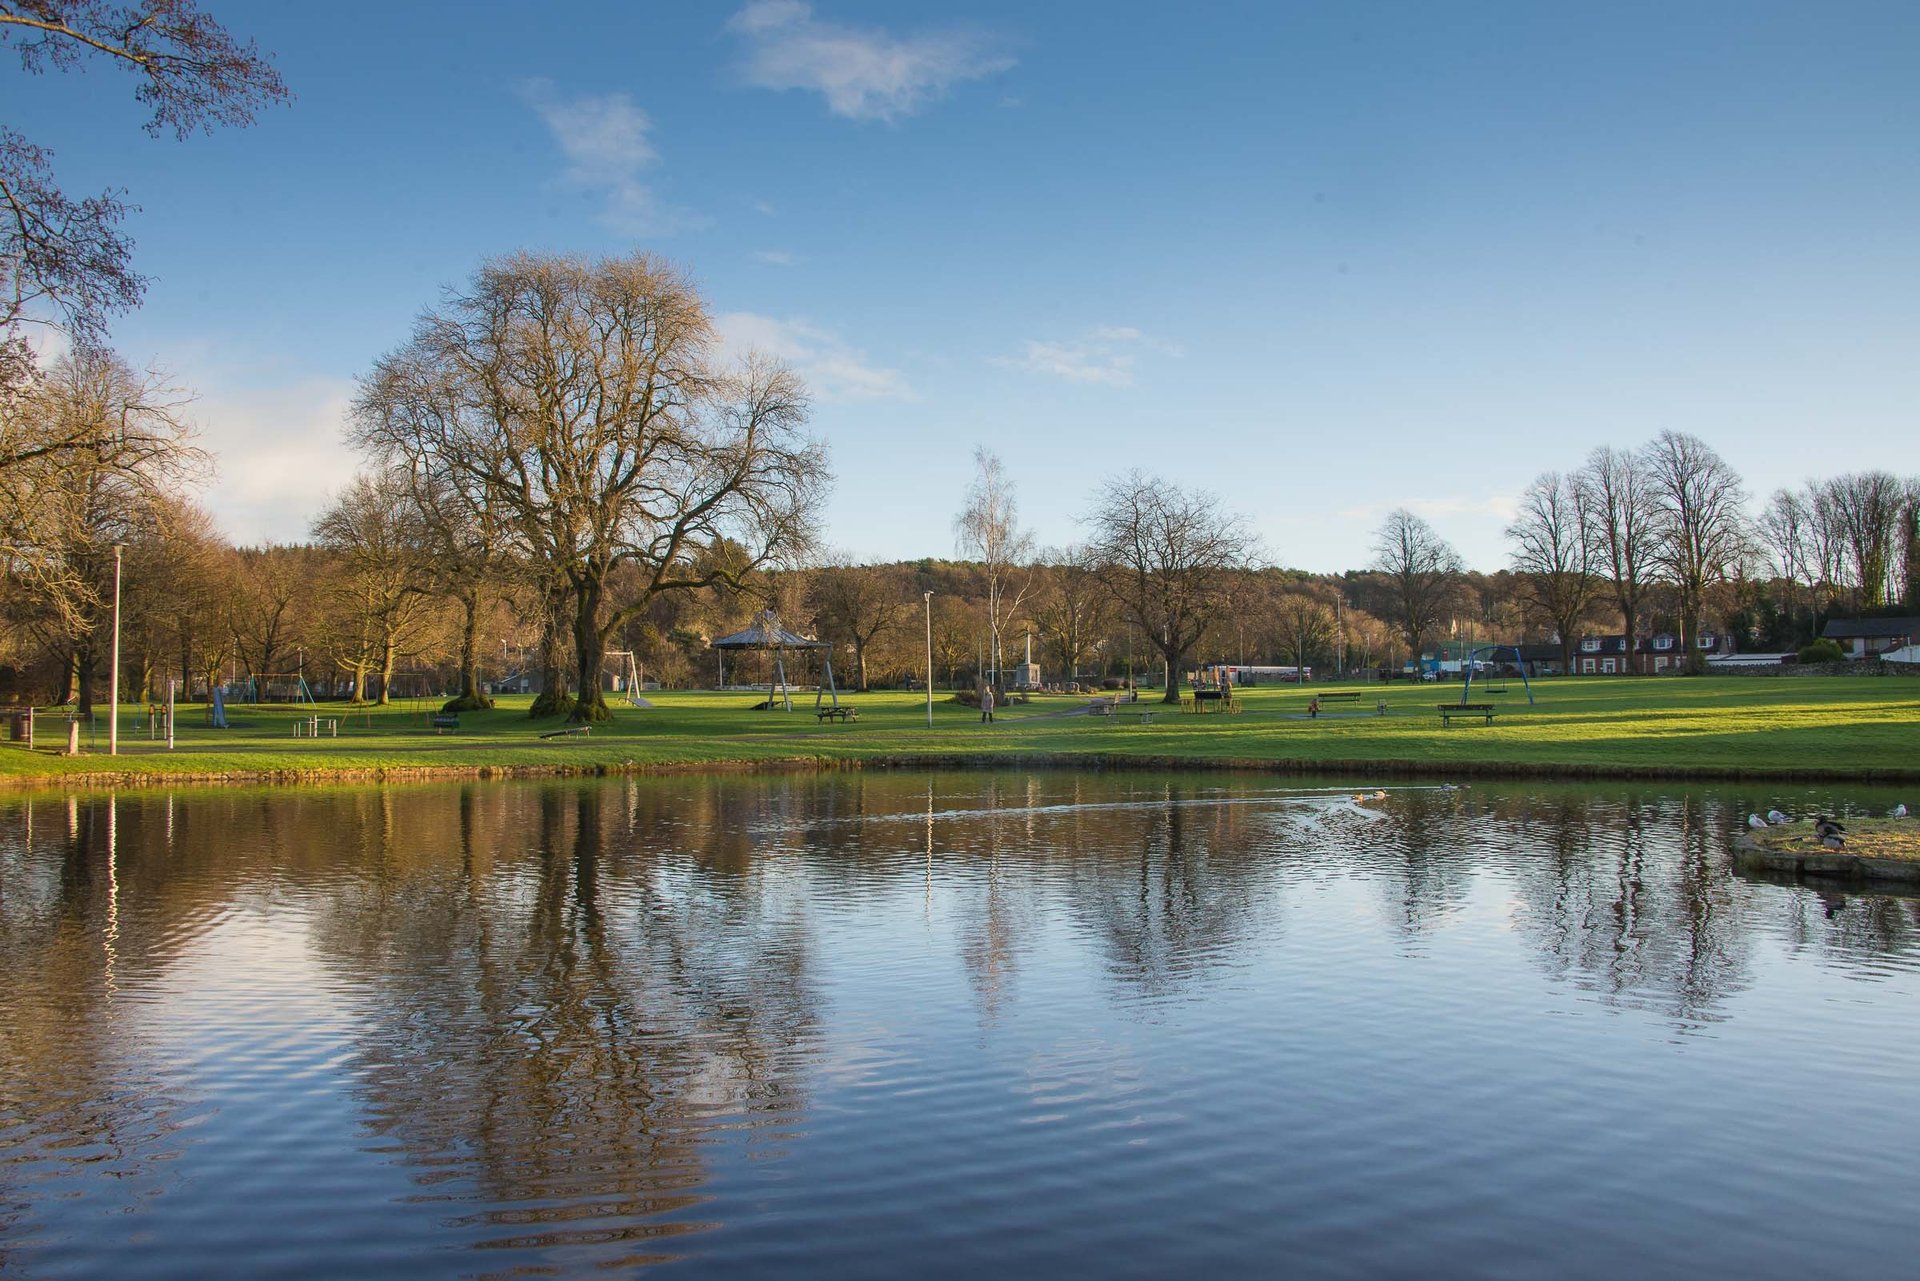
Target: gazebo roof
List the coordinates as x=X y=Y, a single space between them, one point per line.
x=766 y=633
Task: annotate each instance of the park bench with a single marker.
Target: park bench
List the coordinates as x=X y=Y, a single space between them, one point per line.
x=825 y=714
x=569 y=731
x=1450 y=710
x=444 y=721
x=1345 y=696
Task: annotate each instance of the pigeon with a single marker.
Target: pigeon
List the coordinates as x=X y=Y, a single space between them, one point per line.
x=1756 y=822
x=1898 y=811
x=1775 y=817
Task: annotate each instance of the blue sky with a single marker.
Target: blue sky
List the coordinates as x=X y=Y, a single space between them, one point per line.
x=1319 y=259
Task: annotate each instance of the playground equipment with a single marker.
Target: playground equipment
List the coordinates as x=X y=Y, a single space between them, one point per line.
x=624 y=672
x=766 y=634
x=282 y=687
x=1472 y=655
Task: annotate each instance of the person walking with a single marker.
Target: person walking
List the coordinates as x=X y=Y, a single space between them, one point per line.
x=986 y=704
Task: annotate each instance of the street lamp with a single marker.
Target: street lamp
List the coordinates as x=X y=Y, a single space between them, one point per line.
x=113 y=683
x=929 y=598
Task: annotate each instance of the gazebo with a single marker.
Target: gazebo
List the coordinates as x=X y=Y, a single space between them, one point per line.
x=767 y=634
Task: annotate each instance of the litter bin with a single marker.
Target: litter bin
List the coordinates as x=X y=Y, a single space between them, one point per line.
x=17 y=725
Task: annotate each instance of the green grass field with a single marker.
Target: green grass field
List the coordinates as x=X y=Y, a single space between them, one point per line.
x=1856 y=728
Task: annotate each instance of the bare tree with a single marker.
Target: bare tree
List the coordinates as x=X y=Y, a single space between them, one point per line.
x=988 y=529
x=1073 y=609
x=66 y=509
x=268 y=611
x=1700 y=524
x=589 y=409
x=1865 y=510
x=1424 y=570
x=1305 y=616
x=380 y=588
x=67 y=256
x=1551 y=554
x=860 y=604
x=1617 y=493
x=1785 y=531
x=1173 y=554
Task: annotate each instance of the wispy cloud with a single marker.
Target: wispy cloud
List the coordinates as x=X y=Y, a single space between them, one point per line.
x=607 y=148
x=776 y=257
x=834 y=371
x=1104 y=354
x=863 y=74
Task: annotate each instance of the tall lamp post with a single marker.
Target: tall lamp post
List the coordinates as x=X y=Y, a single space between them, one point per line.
x=929 y=597
x=113 y=681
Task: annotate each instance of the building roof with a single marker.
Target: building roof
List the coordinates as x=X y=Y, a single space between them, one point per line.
x=1871 y=628
x=766 y=633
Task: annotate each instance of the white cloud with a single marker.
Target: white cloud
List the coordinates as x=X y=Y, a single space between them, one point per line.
x=1104 y=354
x=833 y=370
x=279 y=455
x=863 y=74
x=606 y=145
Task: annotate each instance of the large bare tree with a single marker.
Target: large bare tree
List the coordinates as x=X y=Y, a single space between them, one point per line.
x=1551 y=554
x=1173 y=555
x=380 y=584
x=587 y=403
x=1864 y=510
x=1617 y=493
x=64 y=510
x=1072 y=609
x=988 y=529
x=64 y=261
x=1424 y=571
x=1700 y=525
x=859 y=604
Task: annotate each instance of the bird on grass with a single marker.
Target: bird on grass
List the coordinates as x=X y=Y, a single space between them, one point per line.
x=1775 y=817
x=1832 y=832
x=1756 y=822
x=1898 y=811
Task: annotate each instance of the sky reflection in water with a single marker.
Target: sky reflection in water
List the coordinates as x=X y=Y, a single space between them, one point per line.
x=855 y=1026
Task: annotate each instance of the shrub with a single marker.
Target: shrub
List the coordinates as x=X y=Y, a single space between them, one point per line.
x=1822 y=651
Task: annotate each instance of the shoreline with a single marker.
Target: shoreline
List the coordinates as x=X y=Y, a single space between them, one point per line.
x=924 y=762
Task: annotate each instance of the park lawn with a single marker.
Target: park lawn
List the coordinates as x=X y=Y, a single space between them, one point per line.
x=1838 y=727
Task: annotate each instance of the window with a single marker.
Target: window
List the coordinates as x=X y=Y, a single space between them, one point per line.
x=1590 y=645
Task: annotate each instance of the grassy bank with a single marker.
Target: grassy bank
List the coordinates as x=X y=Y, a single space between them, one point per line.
x=1621 y=727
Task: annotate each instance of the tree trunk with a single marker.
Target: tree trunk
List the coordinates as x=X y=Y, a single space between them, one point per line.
x=1172 y=657
x=1630 y=618
x=386 y=670
x=84 y=666
x=552 y=699
x=470 y=698
x=589 y=651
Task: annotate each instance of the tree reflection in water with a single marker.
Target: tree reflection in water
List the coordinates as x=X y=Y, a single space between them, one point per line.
x=561 y=1004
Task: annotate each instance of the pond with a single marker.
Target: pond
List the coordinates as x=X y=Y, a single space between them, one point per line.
x=945 y=1025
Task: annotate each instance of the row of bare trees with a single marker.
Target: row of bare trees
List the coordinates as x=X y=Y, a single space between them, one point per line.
x=1673 y=514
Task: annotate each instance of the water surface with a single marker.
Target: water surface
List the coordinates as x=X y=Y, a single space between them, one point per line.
x=946 y=1026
